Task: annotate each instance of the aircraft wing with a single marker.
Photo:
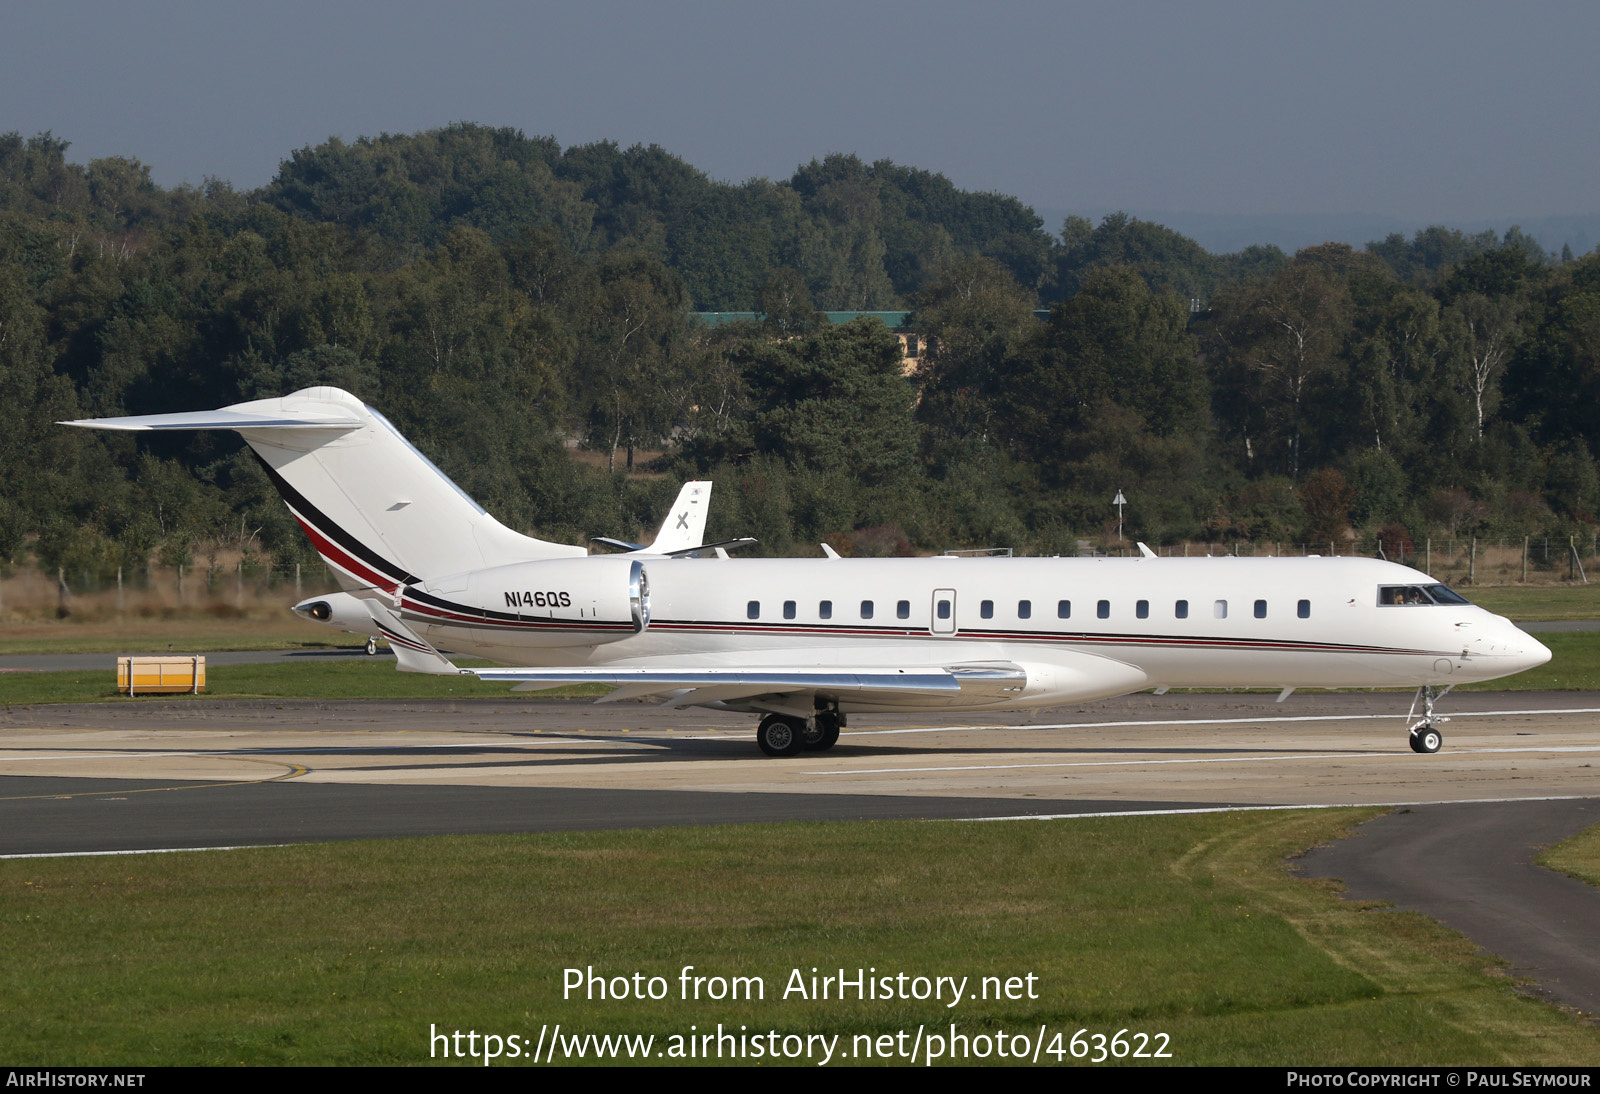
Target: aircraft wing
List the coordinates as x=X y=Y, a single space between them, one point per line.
x=702 y=685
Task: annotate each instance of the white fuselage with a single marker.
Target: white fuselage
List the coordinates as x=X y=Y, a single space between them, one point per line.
x=1084 y=628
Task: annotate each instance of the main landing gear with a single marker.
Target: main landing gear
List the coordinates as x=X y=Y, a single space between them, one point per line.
x=1425 y=735
x=786 y=735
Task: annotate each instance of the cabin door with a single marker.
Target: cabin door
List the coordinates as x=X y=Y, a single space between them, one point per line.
x=944 y=611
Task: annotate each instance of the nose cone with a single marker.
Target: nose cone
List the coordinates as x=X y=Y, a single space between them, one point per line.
x=1534 y=653
x=1518 y=650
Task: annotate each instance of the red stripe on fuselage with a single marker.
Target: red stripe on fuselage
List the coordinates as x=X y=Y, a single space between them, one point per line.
x=336 y=556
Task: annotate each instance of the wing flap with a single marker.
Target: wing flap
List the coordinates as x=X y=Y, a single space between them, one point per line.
x=731 y=683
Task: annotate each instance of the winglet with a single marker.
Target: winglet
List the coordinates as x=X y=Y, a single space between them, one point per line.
x=1146 y=552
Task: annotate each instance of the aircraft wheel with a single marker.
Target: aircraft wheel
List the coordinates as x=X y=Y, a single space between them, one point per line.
x=1426 y=739
x=780 y=735
x=823 y=734
x=372 y=645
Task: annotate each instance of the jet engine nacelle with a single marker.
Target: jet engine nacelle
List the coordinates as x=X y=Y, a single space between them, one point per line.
x=340 y=610
x=604 y=595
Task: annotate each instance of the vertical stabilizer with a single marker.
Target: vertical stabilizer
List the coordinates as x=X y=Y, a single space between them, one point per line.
x=685 y=525
x=375 y=508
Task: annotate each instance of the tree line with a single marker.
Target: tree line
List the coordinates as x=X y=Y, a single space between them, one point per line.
x=503 y=300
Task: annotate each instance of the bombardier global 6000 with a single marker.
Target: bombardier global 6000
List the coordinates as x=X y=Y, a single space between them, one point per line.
x=805 y=642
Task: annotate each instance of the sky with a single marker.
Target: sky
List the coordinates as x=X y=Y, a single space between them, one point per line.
x=1430 y=111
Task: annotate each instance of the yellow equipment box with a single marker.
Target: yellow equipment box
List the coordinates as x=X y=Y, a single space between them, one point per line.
x=152 y=675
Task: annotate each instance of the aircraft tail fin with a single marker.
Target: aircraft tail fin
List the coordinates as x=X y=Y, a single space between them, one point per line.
x=685 y=525
x=377 y=510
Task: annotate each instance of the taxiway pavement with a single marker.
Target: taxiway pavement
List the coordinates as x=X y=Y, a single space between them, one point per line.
x=275 y=771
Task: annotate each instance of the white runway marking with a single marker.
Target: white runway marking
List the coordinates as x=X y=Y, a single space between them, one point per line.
x=148 y=851
x=1230 y=721
x=310 y=750
x=1275 y=808
x=1199 y=760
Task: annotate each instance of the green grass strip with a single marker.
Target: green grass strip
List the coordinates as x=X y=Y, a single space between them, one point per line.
x=1577 y=857
x=348 y=953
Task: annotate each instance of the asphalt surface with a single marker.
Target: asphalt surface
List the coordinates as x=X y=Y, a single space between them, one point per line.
x=1470 y=866
x=159 y=774
x=65 y=816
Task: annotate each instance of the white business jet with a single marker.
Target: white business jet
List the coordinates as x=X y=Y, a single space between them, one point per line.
x=804 y=642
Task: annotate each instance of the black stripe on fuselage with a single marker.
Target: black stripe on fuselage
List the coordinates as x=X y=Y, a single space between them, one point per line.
x=297 y=501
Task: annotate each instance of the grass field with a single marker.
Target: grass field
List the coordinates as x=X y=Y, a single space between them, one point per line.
x=1575 y=666
x=1578 y=856
x=1526 y=602
x=189 y=633
x=350 y=953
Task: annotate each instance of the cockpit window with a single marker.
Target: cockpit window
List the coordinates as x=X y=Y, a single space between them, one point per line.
x=1407 y=595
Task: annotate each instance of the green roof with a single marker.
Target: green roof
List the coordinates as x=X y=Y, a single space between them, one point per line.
x=894 y=320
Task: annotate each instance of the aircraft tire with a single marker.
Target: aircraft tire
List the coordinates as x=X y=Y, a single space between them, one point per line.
x=372 y=645
x=1426 y=740
x=779 y=735
x=824 y=734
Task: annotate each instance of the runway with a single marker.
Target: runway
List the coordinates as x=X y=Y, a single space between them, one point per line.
x=157 y=774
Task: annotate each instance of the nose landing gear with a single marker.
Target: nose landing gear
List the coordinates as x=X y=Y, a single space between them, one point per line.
x=1425 y=735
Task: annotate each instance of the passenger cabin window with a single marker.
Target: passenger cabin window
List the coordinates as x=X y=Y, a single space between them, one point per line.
x=1303 y=609
x=986 y=609
x=1063 y=609
x=1180 y=609
x=866 y=609
x=1141 y=608
x=944 y=609
x=753 y=609
x=1024 y=609
x=1103 y=609
x=1220 y=609
x=788 y=609
x=902 y=609
x=1407 y=595
x=825 y=609
x=1261 y=609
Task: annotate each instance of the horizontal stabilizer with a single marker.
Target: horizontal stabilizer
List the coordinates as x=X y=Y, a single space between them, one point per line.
x=709 y=548
x=619 y=544
x=223 y=419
